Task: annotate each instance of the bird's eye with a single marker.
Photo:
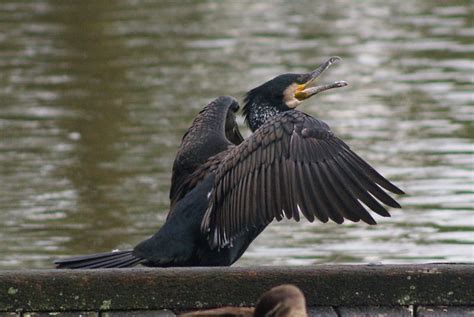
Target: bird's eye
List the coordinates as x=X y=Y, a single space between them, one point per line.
x=234 y=107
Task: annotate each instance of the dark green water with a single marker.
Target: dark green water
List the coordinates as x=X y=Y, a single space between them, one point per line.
x=95 y=96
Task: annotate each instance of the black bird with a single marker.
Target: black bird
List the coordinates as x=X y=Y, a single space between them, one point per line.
x=226 y=190
x=179 y=241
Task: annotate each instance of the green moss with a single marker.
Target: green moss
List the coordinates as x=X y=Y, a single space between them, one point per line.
x=106 y=304
x=12 y=291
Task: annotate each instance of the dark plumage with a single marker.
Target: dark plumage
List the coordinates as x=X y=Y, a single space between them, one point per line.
x=226 y=190
x=292 y=164
x=179 y=241
x=212 y=131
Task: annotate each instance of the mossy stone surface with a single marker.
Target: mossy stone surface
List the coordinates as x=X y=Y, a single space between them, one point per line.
x=190 y=288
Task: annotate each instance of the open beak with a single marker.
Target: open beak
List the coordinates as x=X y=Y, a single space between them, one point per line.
x=306 y=90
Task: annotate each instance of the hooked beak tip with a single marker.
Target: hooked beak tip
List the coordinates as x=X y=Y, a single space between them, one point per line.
x=307 y=89
x=341 y=83
x=335 y=59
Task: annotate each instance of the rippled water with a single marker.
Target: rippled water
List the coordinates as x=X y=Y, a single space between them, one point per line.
x=95 y=96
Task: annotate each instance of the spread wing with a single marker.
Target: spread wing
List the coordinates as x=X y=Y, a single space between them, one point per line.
x=292 y=165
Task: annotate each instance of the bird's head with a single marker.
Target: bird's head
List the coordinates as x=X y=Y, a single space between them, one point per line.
x=285 y=92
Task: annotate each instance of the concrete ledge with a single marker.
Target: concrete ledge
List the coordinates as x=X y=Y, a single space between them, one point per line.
x=181 y=289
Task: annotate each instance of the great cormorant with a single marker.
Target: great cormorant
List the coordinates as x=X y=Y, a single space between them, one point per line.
x=226 y=190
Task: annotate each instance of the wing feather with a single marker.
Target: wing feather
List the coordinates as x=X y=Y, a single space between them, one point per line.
x=371 y=186
x=379 y=179
x=270 y=194
x=285 y=190
x=292 y=165
x=293 y=194
x=348 y=198
x=277 y=186
x=358 y=188
x=333 y=205
x=314 y=204
x=304 y=196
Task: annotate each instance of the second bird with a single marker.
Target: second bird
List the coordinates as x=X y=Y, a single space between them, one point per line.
x=226 y=190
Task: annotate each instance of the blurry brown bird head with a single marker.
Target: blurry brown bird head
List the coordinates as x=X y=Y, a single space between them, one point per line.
x=282 y=301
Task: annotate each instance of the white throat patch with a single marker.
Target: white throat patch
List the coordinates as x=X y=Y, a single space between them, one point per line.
x=289 y=96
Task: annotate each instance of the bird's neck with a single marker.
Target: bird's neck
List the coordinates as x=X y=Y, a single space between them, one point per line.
x=209 y=122
x=257 y=111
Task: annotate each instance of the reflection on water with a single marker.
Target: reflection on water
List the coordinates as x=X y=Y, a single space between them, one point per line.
x=95 y=96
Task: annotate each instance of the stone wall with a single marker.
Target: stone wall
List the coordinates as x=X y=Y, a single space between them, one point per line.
x=330 y=290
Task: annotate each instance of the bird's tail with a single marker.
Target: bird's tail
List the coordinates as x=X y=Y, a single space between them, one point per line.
x=114 y=259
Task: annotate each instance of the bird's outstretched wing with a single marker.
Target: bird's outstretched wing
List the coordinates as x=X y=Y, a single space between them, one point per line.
x=292 y=165
x=213 y=130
